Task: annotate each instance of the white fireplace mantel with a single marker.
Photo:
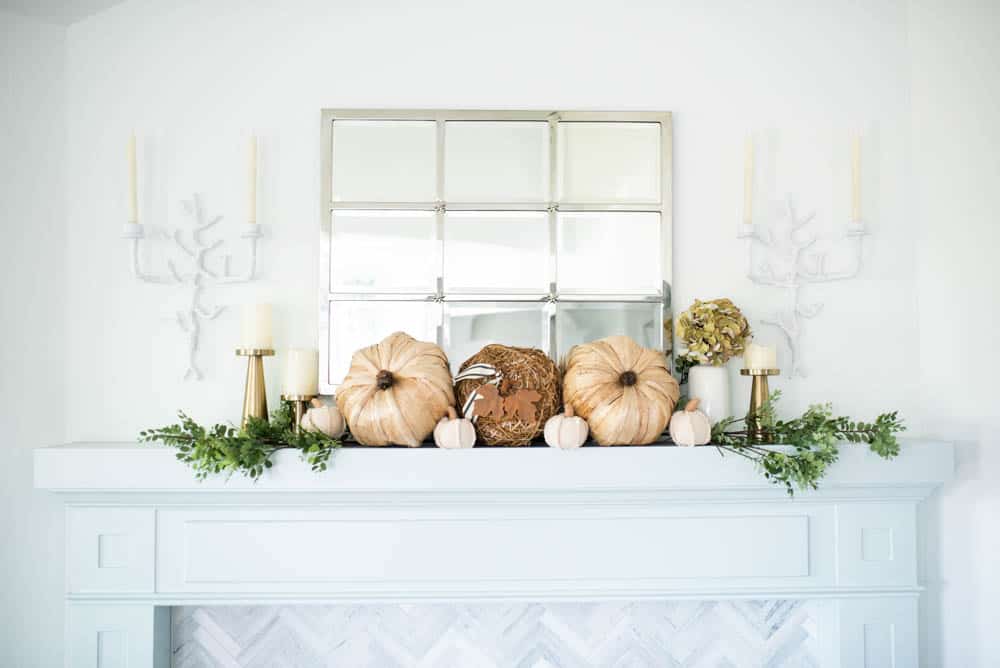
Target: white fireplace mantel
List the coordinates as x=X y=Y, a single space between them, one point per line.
x=487 y=524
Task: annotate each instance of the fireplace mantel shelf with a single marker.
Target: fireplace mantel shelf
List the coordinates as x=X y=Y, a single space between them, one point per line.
x=129 y=467
x=488 y=524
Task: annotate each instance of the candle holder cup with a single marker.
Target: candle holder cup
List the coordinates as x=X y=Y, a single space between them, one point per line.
x=856 y=228
x=255 y=391
x=300 y=403
x=759 y=393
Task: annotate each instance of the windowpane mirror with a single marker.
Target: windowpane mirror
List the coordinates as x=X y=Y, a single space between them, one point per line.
x=580 y=322
x=352 y=325
x=610 y=162
x=383 y=251
x=490 y=251
x=609 y=252
x=540 y=229
x=384 y=161
x=471 y=325
x=496 y=161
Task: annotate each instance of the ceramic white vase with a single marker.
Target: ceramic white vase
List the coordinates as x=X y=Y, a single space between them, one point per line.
x=710 y=385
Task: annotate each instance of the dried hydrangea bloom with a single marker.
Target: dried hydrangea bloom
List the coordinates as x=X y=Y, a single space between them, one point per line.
x=713 y=331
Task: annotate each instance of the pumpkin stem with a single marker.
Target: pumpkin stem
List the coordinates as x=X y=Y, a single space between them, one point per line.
x=568 y=411
x=628 y=378
x=316 y=402
x=452 y=415
x=692 y=406
x=384 y=380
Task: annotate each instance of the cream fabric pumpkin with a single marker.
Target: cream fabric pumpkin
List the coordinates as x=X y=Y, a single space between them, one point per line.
x=624 y=391
x=323 y=418
x=566 y=430
x=690 y=426
x=396 y=391
x=453 y=432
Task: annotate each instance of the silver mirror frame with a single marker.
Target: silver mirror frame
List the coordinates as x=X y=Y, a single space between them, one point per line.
x=664 y=208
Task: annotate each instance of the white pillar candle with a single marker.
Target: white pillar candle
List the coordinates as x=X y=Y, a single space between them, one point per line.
x=302 y=372
x=856 y=179
x=758 y=356
x=748 y=182
x=256 y=329
x=133 y=200
x=252 y=180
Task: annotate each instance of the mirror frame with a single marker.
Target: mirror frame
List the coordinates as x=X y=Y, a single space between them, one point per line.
x=327 y=206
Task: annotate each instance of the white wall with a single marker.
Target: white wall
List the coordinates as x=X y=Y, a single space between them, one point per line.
x=956 y=149
x=32 y=400
x=193 y=78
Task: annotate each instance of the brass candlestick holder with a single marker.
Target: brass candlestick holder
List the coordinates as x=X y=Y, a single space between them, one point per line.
x=299 y=404
x=758 y=395
x=255 y=392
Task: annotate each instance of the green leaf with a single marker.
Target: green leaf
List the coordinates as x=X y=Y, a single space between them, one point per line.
x=224 y=449
x=814 y=437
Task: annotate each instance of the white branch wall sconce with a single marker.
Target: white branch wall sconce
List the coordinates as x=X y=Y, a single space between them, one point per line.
x=200 y=266
x=789 y=257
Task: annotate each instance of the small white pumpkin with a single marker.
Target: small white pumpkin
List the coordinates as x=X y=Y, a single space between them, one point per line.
x=453 y=432
x=690 y=426
x=323 y=418
x=566 y=430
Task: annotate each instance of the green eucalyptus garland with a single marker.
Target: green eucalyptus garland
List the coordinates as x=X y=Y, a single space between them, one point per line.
x=812 y=437
x=223 y=448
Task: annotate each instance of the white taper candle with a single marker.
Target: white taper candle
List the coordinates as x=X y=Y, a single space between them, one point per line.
x=252 y=180
x=133 y=199
x=856 y=179
x=748 y=181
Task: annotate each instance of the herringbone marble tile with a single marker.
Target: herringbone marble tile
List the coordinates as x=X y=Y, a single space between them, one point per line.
x=706 y=634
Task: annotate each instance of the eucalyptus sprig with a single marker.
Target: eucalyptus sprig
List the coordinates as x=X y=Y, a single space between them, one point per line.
x=813 y=438
x=226 y=449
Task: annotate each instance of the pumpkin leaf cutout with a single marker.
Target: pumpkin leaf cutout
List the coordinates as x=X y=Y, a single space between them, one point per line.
x=488 y=403
x=521 y=405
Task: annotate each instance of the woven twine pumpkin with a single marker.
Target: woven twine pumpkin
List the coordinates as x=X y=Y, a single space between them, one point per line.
x=396 y=391
x=624 y=391
x=520 y=369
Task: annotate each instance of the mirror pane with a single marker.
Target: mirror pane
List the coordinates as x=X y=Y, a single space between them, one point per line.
x=384 y=161
x=471 y=325
x=609 y=253
x=496 y=251
x=609 y=162
x=489 y=161
x=383 y=251
x=581 y=322
x=357 y=324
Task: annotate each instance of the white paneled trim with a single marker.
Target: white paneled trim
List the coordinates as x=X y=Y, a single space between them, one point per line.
x=876 y=543
x=595 y=590
x=524 y=524
x=878 y=633
x=117 y=635
x=528 y=550
x=109 y=549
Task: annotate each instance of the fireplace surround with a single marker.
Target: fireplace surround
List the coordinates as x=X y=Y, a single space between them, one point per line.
x=430 y=526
